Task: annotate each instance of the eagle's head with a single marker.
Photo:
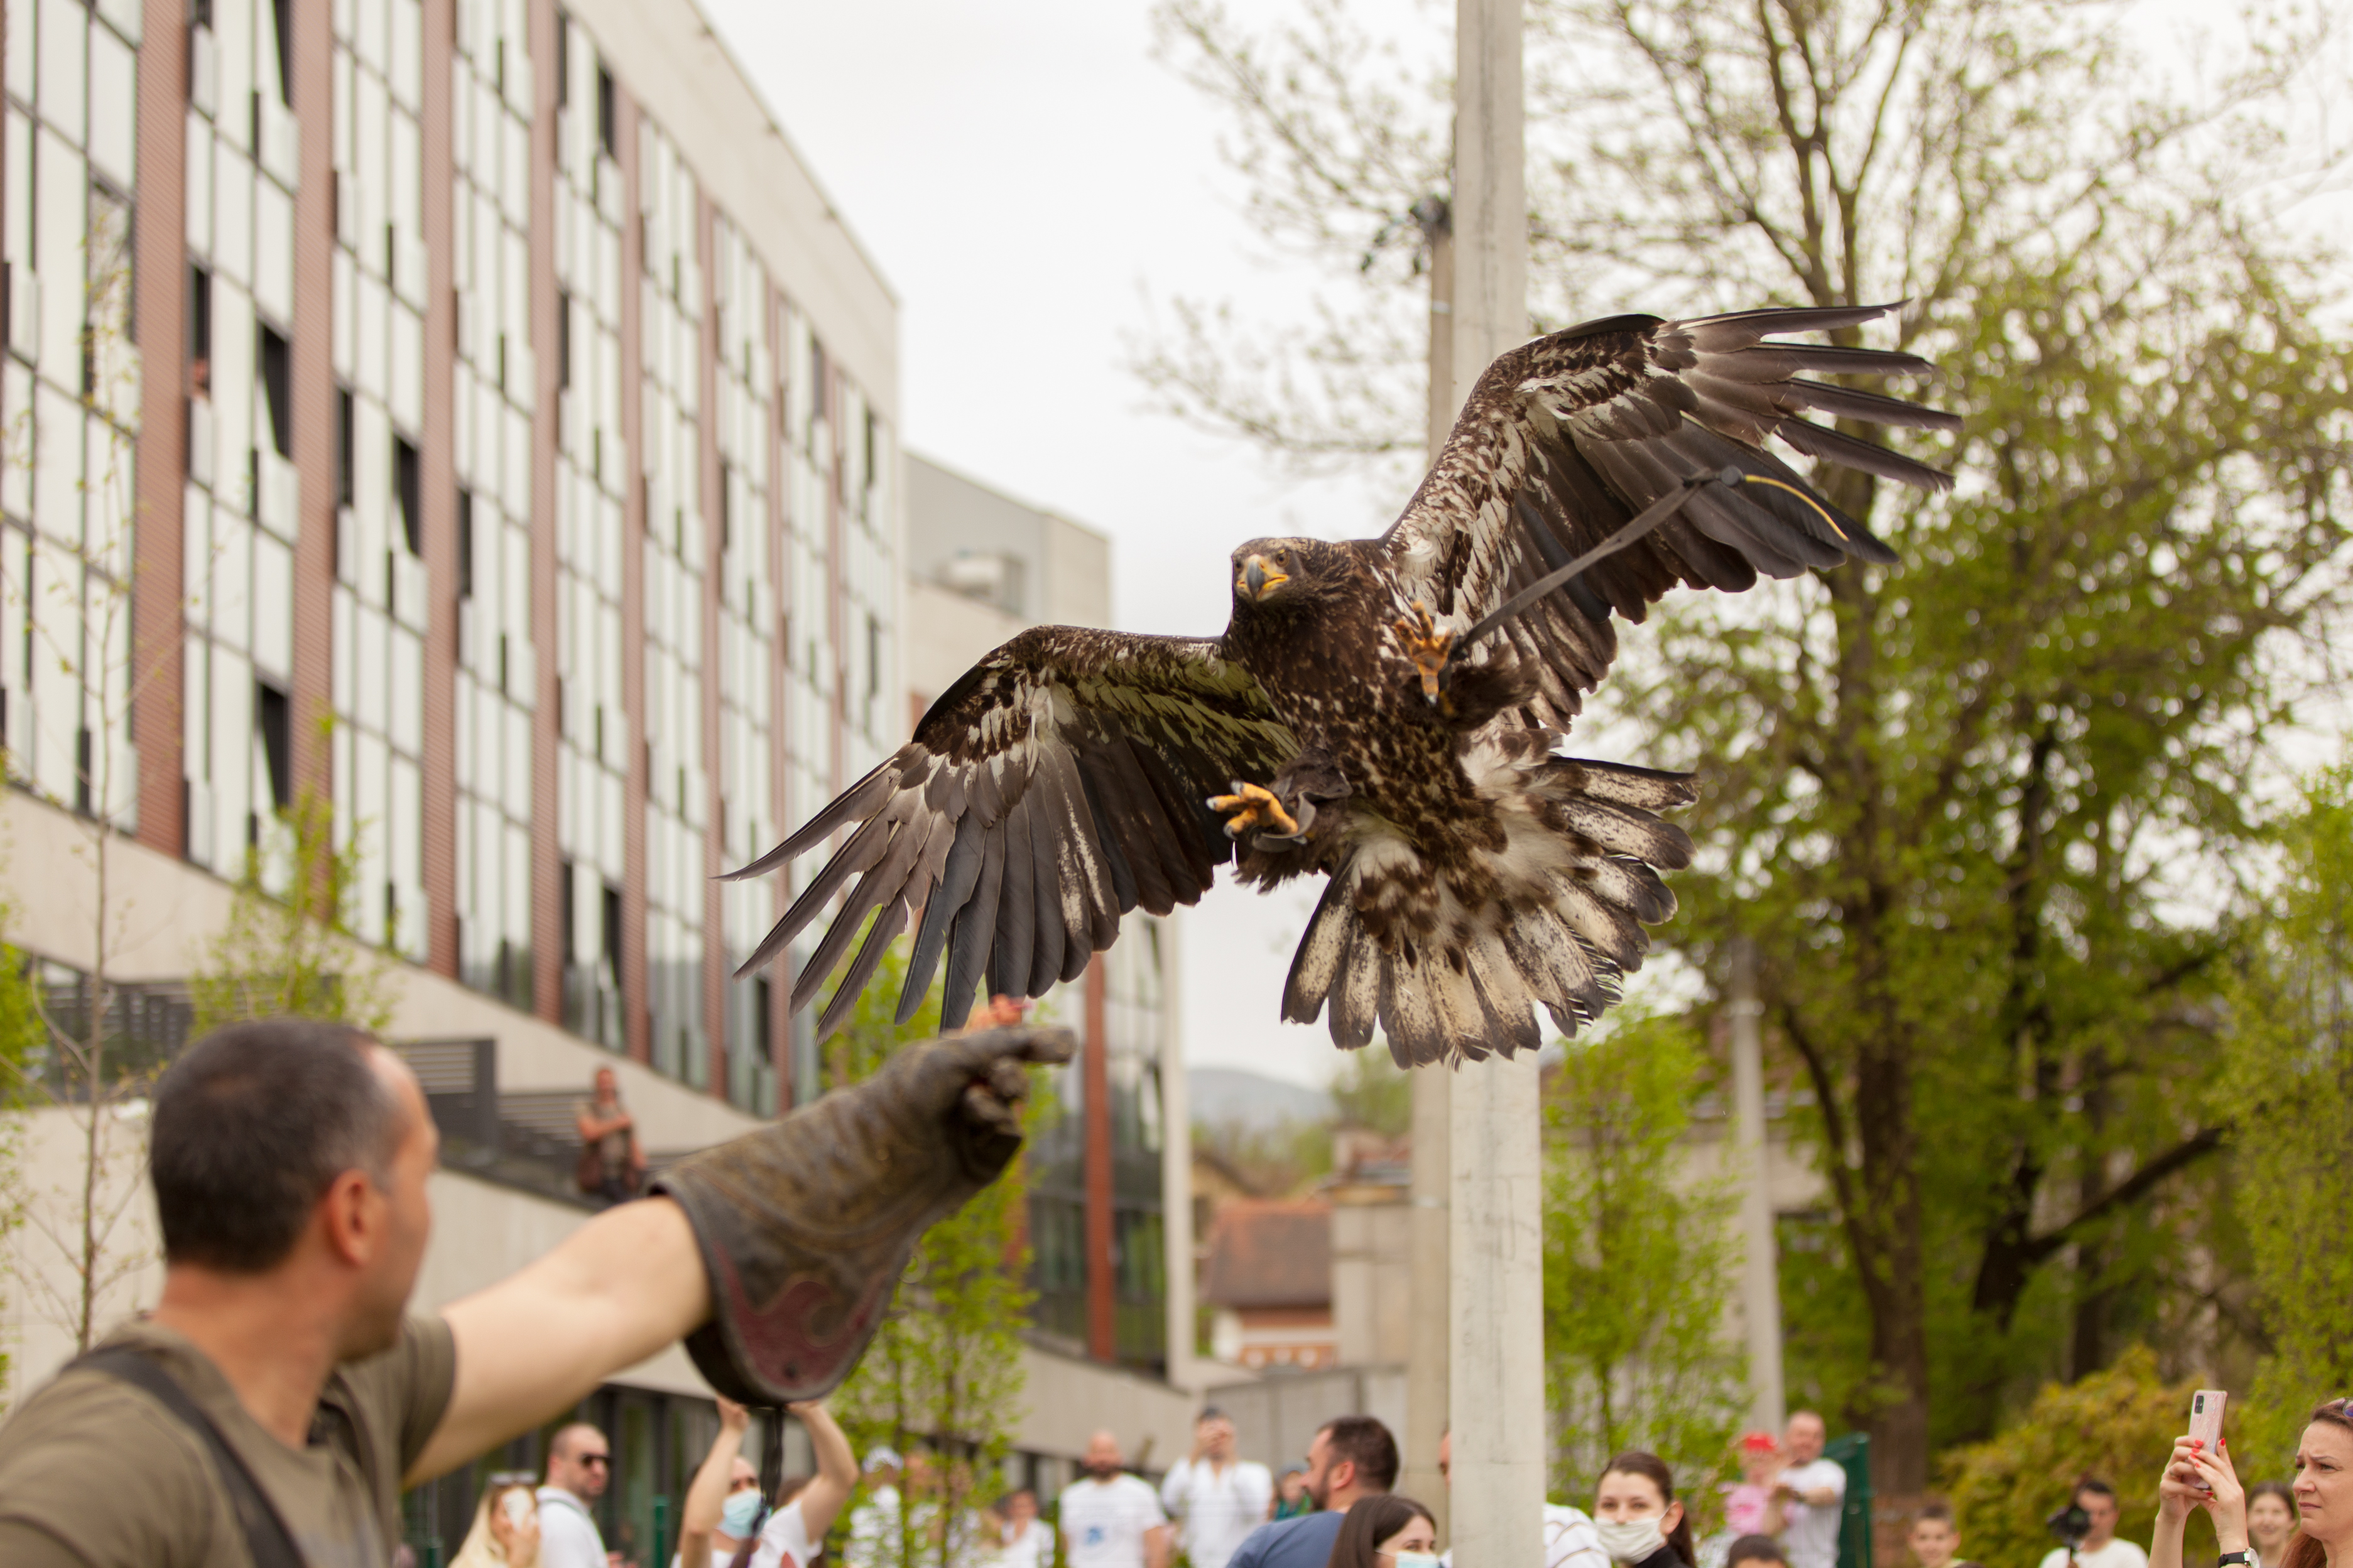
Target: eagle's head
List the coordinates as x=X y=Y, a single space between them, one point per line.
x=1271 y=572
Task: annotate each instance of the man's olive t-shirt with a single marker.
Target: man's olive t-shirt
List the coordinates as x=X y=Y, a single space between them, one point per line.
x=94 y=1473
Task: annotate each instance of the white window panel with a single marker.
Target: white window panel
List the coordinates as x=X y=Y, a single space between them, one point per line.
x=516 y=764
x=340 y=152
x=113 y=108
x=233 y=46
x=372 y=674
x=64 y=45
x=57 y=466
x=515 y=169
x=405 y=814
x=345 y=276
x=368 y=803
x=233 y=182
x=368 y=30
x=110 y=517
x=371 y=376
x=232 y=748
x=372 y=157
x=515 y=582
x=405 y=68
x=273 y=604
x=273 y=259
x=515 y=488
x=469 y=906
x=233 y=389
x=407 y=693
x=408 y=367
x=516 y=892
x=21 y=47
x=60 y=223
x=199 y=192
x=370 y=494
x=233 y=583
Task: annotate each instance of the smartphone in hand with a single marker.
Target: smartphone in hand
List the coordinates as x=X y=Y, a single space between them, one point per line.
x=2206 y=1420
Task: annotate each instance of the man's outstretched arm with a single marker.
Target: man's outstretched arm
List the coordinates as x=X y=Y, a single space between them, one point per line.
x=615 y=1292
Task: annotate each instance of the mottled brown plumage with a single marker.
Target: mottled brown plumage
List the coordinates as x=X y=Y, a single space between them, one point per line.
x=1475 y=874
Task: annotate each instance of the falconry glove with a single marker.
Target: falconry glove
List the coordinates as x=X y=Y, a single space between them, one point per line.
x=806 y=1225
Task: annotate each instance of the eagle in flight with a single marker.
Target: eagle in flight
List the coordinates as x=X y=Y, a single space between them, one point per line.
x=1386 y=713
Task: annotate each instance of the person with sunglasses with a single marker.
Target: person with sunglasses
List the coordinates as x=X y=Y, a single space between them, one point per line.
x=2324 y=1497
x=579 y=1467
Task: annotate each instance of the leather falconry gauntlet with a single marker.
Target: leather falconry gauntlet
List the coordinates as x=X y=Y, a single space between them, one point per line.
x=806 y=1225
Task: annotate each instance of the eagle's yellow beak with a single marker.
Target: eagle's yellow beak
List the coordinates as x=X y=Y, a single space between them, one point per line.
x=1257 y=579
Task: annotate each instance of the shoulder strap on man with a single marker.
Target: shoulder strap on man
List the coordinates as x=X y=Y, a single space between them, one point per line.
x=266 y=1535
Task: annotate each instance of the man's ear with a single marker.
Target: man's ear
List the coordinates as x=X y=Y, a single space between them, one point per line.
x=351 y=1221
x=1342 y=1476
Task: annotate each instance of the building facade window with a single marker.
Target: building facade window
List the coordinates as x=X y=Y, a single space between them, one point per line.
x=495 y=389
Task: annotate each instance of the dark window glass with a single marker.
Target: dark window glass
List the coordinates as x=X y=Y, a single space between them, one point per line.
x=465 y=543
x=278 y=382
x=274 y=714
x=408 y=483
x=347 y=460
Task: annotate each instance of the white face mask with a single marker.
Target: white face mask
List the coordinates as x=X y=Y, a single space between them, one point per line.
x=1630 y=1539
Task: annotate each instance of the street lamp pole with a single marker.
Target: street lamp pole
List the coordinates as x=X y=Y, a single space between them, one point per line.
x=1494 y=1218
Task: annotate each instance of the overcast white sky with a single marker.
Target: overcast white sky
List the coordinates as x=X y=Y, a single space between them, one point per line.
x=1024 y=174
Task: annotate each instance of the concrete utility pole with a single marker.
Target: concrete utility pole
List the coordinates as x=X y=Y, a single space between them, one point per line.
x=1426 y=1412
x=1760 y=1283
x=1176 y=1159
x=1495 y=1219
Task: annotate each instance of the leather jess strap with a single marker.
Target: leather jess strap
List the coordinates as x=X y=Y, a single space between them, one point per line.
x=266 y=1535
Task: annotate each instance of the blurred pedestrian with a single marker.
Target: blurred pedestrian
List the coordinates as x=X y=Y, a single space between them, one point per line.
x=1744 y=1502
x=1807 y=1495
x=1216 y=1498
x=2100 y=1547
x=1109 y=1518
x=723 y=1501
x=1935 y=1540
x=612 y=1165
x=806 y=1506
x=1349 y=1458
x=505 y=1531
x=1291 y=1498
x=579 y=1464
x=2271 y=1522
x=1637 y=1517
x=1022 y=1536
x=1761 y=1549
x=1382 y=1531
x=1569 y=1538
x=874 y=1524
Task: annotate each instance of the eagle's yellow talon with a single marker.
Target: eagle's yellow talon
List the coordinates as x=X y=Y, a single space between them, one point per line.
x=1427 y=645
x=1250 y=807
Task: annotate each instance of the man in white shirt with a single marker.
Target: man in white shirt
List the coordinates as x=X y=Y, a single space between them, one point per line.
x=2100 y=1549
x=1570 y=1541
x=874 y=1524
x=1807 y=1495
x=579 y=1463
x=1220 y=1498
x=1112 y=1520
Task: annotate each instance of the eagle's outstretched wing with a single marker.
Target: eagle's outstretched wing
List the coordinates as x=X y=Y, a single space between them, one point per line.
x=1059 y=784
x=1566 y=438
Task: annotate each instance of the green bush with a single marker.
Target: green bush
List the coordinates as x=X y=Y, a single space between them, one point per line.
x=2118 y=1424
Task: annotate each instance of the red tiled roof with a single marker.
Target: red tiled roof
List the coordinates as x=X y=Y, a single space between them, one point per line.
x=1265 y=1253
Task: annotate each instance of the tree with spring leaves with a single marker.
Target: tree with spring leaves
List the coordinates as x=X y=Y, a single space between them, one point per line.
x=1981 y=813
x=1635 y=1260
x=943 y=1372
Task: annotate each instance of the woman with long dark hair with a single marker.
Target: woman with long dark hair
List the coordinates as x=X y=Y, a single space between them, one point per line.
x=2324 y=1497
x=1637 y=1518
x=1377 y=1530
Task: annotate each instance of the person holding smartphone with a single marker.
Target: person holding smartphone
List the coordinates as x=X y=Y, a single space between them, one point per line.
x=2197 y=1476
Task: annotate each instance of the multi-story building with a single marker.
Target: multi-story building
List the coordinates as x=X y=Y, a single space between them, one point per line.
x=467 y=420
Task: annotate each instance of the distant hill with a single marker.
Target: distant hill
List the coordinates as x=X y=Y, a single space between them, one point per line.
x=1235 y=1095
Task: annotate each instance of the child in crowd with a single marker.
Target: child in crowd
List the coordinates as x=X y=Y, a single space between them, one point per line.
x=1760 y=1462
x=1936 y=1543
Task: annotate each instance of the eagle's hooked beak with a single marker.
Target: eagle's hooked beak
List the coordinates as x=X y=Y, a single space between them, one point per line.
x=1257 y=579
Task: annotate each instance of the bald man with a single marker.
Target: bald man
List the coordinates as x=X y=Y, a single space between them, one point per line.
x=579 y=1467
x=1111 y=1519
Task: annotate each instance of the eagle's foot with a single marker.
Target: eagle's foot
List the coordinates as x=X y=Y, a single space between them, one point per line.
x=1252 y=807
x=1428 y=647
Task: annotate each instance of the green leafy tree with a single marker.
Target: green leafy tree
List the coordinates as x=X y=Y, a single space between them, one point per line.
x=1979 y=813
x=22 y=1037
x=288 y=950
x=2116 y=1425
x=1370 y=1091
x=2289 y=1088
x=943 y=1372
x=1637 y=1261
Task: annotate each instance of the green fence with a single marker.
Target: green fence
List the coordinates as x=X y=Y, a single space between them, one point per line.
x=1852 y=1453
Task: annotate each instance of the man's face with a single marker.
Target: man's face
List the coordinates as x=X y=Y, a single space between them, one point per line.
x=583 y=1467
x=2103 y=1511
x=406 y=1212
x=1102 y=1455
x=608 y=1086
x=1326 y=1470
x=1217 y=1436
x=1804 y=1439
x=1933 y=1543
x=1021 y=1508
